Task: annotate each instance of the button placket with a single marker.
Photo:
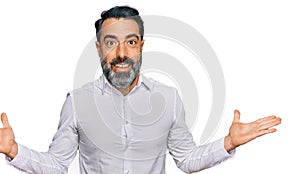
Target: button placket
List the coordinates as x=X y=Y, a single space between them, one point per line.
x=126 y=124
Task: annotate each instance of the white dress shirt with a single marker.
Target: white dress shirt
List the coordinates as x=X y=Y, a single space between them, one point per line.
x=117 y=134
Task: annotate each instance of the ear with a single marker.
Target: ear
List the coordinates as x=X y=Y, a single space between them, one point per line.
x=98 y=46
x=142 y=44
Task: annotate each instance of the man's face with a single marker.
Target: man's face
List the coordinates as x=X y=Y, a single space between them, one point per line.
x=120 y=50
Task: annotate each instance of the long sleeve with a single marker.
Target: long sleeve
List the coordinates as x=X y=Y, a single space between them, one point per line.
x=189 y=157
x=61 y=151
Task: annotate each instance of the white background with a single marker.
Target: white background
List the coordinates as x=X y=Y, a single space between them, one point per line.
x=257 y=43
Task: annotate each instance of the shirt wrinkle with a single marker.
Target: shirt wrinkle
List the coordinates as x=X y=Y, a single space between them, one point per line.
x=122 y=134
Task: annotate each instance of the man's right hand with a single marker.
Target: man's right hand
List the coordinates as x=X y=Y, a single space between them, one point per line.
x=8 y=145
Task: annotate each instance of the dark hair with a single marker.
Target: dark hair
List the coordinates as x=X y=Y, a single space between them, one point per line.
x=120 y=12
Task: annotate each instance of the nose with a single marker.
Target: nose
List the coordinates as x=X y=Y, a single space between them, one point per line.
x=121 y=50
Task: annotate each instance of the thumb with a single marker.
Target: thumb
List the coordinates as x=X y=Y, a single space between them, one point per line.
x=237 y=115
x=4 y=120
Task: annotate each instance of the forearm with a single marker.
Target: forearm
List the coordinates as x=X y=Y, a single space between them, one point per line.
x=31 y=161
x=206 y=156
x=61 y=152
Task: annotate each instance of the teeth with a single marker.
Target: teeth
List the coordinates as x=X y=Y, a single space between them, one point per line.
x=122 y=65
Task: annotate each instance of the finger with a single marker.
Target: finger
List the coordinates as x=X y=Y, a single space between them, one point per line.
x=4 y=120
x=237 y=116
x=265 y=118
x=269 y=123
x=266 y=131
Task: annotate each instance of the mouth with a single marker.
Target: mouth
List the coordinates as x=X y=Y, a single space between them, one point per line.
x=121 y=67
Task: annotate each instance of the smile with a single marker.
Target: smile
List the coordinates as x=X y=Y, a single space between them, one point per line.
x=122 y=65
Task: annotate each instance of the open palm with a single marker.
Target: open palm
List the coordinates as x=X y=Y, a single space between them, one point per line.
x=241 y=133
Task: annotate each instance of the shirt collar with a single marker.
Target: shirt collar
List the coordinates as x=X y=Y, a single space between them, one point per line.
x=103 y=82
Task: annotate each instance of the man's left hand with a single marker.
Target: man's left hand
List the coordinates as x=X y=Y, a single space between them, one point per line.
x=241 y=133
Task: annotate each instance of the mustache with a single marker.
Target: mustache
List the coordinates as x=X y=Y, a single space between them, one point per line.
x=118 y=60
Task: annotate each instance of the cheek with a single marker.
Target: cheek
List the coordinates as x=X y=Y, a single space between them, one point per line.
x=107 y=62
x=109 y=53
x=108 y=56
x=135 y=54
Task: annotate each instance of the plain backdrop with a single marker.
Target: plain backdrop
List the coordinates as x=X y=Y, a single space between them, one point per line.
x=257 y=43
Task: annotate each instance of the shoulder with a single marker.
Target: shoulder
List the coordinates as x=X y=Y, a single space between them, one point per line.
x=157 y=86
x=90 y=87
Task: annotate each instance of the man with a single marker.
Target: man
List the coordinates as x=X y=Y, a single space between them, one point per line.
x=124 y=122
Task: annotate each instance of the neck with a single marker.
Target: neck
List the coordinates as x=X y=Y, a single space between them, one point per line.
x=126 y=91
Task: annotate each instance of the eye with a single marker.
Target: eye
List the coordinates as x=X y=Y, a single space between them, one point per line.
x=131 y=42
x=110 y=43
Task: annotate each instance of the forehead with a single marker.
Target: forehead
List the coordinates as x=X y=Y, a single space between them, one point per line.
x=119 y=27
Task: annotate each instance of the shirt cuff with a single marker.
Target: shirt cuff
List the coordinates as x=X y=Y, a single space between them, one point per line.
x=221 y=153
x=19 y=158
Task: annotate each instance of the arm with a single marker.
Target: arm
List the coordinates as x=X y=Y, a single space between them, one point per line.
x=192 y=158
x=189 y=157
x=61 y=151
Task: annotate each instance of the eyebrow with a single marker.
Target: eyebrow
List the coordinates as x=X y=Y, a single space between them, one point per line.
x=115 y=37
x=110 y=36
x=132 y=35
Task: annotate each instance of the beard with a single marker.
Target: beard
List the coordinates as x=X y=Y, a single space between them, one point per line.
x=121 y=79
